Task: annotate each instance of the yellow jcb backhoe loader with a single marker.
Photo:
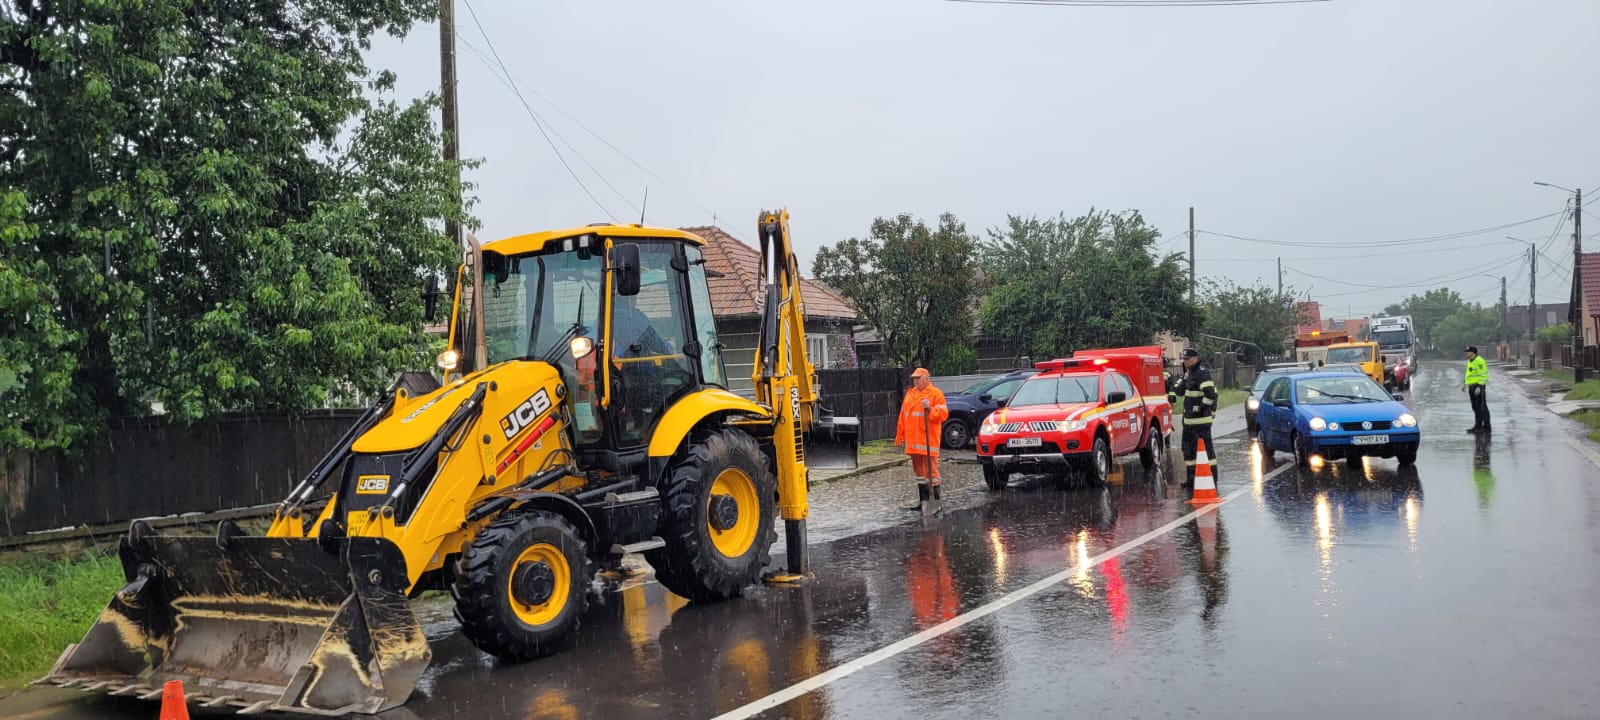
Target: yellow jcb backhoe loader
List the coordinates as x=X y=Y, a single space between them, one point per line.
x=583 y=415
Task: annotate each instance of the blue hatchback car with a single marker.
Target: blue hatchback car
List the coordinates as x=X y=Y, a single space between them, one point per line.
x=1336 y=415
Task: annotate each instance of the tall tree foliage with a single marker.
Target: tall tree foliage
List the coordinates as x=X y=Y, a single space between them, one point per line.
x=1062 y=284
x=917 y=285
x=1258 y=315
x=1471 y=325
x=207 y=204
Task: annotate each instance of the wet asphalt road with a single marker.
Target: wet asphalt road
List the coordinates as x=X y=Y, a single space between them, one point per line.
x=1466 y=587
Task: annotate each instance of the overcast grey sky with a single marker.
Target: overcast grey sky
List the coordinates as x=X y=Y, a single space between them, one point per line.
x=1326 y=123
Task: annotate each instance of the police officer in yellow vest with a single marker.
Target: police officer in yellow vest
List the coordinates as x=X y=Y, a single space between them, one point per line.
x=1199 y=410
x=1476 y=386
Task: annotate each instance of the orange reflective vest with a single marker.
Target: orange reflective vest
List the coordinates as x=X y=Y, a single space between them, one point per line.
x=919 y=430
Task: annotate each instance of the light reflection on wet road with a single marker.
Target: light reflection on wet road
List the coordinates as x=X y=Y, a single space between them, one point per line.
x=1352 y=591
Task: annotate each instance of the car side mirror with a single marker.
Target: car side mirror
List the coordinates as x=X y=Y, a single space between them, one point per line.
x=986 y=398
x=1116 y=396
x=625 y=266
x=1397 y=397
x=1002 y=402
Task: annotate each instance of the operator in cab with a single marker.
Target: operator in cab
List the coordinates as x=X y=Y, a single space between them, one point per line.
x=1476 y=385
x=1199 y=411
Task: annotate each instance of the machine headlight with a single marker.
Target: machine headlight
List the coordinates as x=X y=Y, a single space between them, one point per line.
x=1319 y=424
x=1071 y=425
x=1407 y=419
x=449 y=359
x=1253 y=404
x=581 y=346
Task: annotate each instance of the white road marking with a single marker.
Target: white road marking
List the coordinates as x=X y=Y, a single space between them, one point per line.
x=1578 y=445
x=818 y=681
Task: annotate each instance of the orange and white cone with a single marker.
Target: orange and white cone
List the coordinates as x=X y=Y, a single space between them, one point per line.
x=1205 y=486
x=173 y=706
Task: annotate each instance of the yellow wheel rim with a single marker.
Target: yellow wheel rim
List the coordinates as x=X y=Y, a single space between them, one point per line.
x=551 y=557
x=735 y=485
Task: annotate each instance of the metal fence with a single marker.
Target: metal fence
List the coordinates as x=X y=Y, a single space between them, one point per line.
x=151 y=467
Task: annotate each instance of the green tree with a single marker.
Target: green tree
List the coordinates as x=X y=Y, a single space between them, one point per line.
x=1258 y=315
x=208 y=205
x=916 y=284
x=1471 y=325
x=1057 y=285
x=1555 y=333
x=1427 y=311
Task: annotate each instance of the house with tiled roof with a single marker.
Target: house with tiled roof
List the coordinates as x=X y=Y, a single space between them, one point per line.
x=1589 y=275
x=736 y=298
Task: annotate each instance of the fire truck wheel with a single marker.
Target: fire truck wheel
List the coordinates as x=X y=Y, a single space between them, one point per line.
x=1155 y=448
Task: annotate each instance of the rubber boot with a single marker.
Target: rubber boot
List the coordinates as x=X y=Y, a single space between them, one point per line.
x=922 y=497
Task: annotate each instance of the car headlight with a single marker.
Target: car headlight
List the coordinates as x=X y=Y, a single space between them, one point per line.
x=1319 y=424
x=1407 y=420
x=988 y=427
x=1253 y=404
x=1071 y=425
x=1333 y=426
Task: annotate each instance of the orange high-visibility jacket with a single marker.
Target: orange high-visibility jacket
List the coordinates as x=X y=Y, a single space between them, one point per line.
x=919 y=430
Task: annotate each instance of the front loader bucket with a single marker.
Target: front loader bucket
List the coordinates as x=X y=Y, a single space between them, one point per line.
x=256 y=624
x=832 y=442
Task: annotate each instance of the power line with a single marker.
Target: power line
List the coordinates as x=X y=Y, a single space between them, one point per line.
x=1385 y=243
x=483 y=58
x=1139 y=3
x=536 y=121
x=1441 y=279
x=1356 y=256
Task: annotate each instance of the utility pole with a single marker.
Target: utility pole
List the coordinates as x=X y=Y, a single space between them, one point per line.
x=447 y=112
x=1191 y=253
x=1533 y=289
x=1573 y=313
x=1280 y=277
x=1503 y=308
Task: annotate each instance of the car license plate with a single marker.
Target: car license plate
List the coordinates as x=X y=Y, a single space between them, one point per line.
x=1023 y=442
x=1369 y=440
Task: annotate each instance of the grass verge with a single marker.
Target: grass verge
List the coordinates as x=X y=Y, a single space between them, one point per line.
x=1591 y=420
x=46 y=604
x=1229 y=397
x=876 y=447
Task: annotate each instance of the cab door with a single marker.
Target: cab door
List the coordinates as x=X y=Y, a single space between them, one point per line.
x=1124 y=420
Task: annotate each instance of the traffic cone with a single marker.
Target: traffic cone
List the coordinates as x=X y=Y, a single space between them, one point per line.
x=1205 y=487
x=173 y=706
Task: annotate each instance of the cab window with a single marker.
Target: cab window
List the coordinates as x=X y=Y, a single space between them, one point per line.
x=1003 y=391
x=649 y=332
x=712 y=371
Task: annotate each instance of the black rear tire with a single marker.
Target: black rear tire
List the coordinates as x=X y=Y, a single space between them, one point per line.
x=692 y=564
x=498 y=618
x=1100 y=462
x=1155 y=448
x=955 y=435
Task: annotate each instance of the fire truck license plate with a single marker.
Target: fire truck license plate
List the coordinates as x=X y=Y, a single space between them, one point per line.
x=1369 y=440
x=1023 y=442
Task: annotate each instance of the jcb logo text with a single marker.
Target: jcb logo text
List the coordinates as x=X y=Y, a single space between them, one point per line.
x=516 y=420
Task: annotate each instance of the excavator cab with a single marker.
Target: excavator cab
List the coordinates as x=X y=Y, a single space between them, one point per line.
x=583 y=414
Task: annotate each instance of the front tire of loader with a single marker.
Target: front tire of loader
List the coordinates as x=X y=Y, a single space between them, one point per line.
x=522 y=584
x=717 y=510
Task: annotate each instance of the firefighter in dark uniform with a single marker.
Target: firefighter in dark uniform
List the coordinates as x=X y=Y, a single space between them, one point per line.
x=1199 y=410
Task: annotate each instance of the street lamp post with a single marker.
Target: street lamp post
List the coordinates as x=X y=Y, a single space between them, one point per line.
x=1573 y=312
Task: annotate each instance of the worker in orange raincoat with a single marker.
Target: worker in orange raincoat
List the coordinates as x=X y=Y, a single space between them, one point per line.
x=922 y=416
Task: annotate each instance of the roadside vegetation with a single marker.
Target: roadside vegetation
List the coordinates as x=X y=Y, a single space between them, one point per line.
x=47 y=603
x=1228 y=397
x=1586 y=390
x=875 y=448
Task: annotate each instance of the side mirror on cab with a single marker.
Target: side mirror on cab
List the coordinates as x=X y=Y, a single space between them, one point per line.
x=986 y=398
x=624 y=262
x=1116 y=396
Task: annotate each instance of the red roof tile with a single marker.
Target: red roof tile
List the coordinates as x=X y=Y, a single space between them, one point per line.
x=1590 y=274
x=738 y=291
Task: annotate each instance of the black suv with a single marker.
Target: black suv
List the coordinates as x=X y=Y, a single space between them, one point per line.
x=972 y=404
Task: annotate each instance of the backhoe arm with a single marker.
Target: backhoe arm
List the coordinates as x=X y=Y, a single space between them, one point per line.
x=785 y=381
